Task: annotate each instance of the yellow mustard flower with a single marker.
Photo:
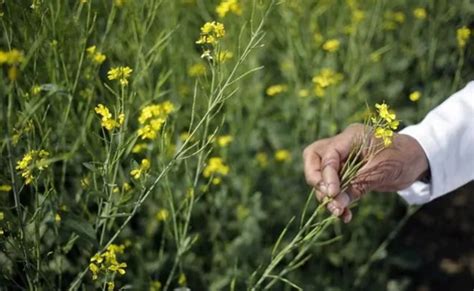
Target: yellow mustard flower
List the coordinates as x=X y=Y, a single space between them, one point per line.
x=224 y=56
x=182 y=281
x=462 y=35
x=155 y=286
x=162 y=215
x=227 y=6
x=358 y=16
x=110 y=286
x=224 y=140
x=211 y=32
x=216 y=167
x=5 y=188
x=12 y=57
x=2 y=216
x=303 y=93
x=57 y=218
x=106 y=263
x=122 y=74
x=35 y=90
x=34 y=159
x=326 y=78
x=152 y=118
x=126 y=187
x=282 y=155
x=415 y=96
x=420 y=13
x=392 y=19
x=385 y=134
x=141 y=169
x=197 y=70
x=94 y=55
x=276 y=89
x=385 y=113
x=107 y=121
x=331 y=45
x=120 y=3
x=385 y=123
x=399 y=17
x=139 y=147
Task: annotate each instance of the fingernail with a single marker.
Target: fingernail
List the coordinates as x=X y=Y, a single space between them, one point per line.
x=332 y=190
x=323 y=187
x=337 y=211
x=347 y=219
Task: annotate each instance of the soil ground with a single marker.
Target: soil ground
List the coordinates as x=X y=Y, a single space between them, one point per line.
x=439 y=239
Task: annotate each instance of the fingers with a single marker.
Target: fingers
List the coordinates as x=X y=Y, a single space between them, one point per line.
x=331 y=163
x=320 y=195
x=347 y=215
x=339 y=204
x=312 y=167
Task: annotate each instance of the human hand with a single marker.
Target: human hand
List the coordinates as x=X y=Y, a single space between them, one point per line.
x=393 y=168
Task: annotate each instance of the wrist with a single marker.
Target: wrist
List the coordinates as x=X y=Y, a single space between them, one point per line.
x=420 y=160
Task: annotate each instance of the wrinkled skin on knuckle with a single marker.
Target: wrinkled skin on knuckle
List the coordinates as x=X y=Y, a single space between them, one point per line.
x=355 y=128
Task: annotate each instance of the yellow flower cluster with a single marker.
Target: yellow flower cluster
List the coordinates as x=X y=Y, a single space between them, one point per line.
x=331 y=45
x=415 y=96
x=392 y=19
x=141 y=170
x=211 y=32
x=282 y=155
x=139 y=147
x=34 y=159
x=120 y=3
x=224 y=140
x=326 y=78
x=95 y=56
x=197 y=70
x=182 y=280
x=276 y=89
x=13 y=57
x=155 y=285
x=224 y=55
x=216 y=167
x=462 y=35
x=358 y=16
x=227 y=6
x=107 y=120
x=152 y=118
x=385 y=122
x=107 y=262
x=420 y=13
x=121 y=74
x=162 y=215
x=5 y=188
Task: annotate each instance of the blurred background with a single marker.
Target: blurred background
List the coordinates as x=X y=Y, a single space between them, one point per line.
x=193 y=172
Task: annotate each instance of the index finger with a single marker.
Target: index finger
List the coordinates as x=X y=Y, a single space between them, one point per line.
x=312 y=167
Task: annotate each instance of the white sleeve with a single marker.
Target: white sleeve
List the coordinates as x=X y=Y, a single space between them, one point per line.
x=446 y=135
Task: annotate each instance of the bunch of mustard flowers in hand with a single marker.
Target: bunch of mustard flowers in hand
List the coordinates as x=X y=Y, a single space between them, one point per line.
x=378 y=135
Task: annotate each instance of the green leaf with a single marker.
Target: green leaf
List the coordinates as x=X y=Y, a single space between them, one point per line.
x=81 y=227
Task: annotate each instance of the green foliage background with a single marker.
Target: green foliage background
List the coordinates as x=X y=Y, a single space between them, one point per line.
x=216 y=237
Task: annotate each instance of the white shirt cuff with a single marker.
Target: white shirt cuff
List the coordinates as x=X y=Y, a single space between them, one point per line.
x=418 y=193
